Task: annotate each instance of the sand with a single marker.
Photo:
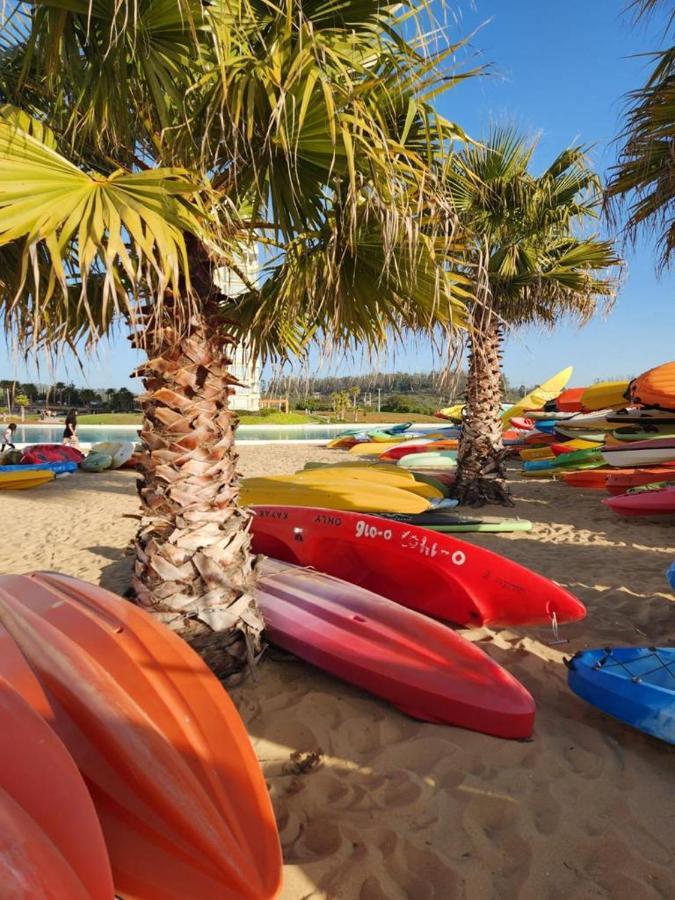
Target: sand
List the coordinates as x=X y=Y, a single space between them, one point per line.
x=373 y=805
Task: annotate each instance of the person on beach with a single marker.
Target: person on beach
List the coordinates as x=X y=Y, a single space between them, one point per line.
x=8 y=437
x=70 y=431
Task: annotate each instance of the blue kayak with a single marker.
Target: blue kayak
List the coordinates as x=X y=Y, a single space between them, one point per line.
x=633 y=684
x=670 y=576
x=58 y=468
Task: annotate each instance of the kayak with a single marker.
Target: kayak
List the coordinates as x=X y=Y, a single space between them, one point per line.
x=96 y=462
x=177 y=788
x=604 y=395
x=531 y=453
x=42 y=453
x=548 y=390
x=643 y=433
x=423 y=447
x=436 y=574
x=575 y=444
x=594 y=437
x=670 y=575
x=51 y=843
x=359 y=496
x=640 y=453
x=120 y=451
x=421 y=667
x=20 y=480
x=437 y=459
x=58 y=468
x=635 y=685
x=569 y=400
x=366 y=476
x=597 y=421
x=449 y=522
x=654 y=503
x=642 y=417
x=656 y=387
x=577 y=458
x=591 y=479
x=621 y=480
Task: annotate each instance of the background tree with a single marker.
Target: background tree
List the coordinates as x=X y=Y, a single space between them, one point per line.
x=191 y=131
x=530 y=263
x=22 y=401
x=643 y=180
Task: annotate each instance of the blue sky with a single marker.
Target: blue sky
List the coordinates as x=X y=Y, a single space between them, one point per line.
x=558 y=71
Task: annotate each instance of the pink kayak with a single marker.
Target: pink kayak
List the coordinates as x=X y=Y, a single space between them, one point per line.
x=423 y=668
x=644 y=503
x=436 y=574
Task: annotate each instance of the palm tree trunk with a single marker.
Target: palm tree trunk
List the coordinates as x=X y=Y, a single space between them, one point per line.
x=480 y=474
x=193 y=563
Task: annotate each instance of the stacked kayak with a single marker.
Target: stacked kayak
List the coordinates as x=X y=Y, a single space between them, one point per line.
x=640 y=453
x=181 y=801
x=435 y=574
x=423 y=668
x=620 y=481
x=120 y=452
x=635 y=685
x=51 y=843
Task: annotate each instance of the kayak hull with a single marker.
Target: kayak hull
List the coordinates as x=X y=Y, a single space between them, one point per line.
x=51 y=843
x=423 y=668
x=640 y=453
x=644 y=503
x=631 y=684
x=176 y=785
x=20 y=480
x=436 y=574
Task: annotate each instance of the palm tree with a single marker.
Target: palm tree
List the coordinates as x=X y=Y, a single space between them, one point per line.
x=145 y=145
x=644 y=177
x=530 y=264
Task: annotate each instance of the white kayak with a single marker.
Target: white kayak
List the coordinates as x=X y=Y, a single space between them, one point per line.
x=640 y=453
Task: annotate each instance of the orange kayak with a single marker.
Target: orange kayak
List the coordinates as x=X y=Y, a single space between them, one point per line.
x=182 y=801
x=51 y=843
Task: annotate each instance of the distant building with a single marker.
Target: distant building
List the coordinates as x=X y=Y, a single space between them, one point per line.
x=248 y=373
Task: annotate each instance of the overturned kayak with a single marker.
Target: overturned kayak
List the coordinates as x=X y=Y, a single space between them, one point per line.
x=183 y=805
x=633 y=684
x=436 y=574
x=423 y=668
x=51 y=843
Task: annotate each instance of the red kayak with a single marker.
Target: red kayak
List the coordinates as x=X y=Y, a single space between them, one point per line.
x=46 y=453
x=183 y=805
x=51 y=843
x=420 y=666
x=405 y=449
x=644 y=503
x=432 y=573
x=569 y=400
x=591 y=479
x=621 y=480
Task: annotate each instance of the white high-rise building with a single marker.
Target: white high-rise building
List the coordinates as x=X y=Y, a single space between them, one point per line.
x=246 y=397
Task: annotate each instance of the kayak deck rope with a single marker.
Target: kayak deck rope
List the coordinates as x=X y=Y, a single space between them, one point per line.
x=611 y=662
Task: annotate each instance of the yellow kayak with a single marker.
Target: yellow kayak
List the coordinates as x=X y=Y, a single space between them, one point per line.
x=352 y=495
x=605 y=395
x=372 y=448
x=546 y=391
x=372 y=476
x=453 y=412
x=21 y=481
x=537 y=453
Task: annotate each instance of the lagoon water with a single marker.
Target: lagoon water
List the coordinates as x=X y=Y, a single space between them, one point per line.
x=91 y=434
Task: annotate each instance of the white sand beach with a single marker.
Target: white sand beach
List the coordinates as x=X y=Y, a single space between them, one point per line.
x=372 y=805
